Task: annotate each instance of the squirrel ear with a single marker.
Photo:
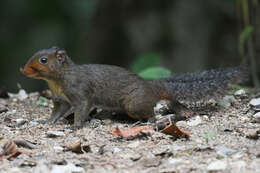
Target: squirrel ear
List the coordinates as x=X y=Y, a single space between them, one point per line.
x=61 y=56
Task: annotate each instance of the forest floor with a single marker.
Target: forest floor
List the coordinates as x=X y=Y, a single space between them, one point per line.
x=221 y=140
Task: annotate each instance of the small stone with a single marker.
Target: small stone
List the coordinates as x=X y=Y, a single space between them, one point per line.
x=212 y=102
x=217 y=166
x=28 y=163
x=194 y=122
x=14 y=170
x=253 y=133
x=238 y=166
x=41 y=167
x=255 y=165
x=227 y=101
x=151 y=162
x=225 y=151
x=3 y=108
x=161 y=150
x=257 y=117
x=21 y=121
x=205 y=117
x=237 y=156
x=95 y=123
x=254 y=102
x=181 y=123
x=244 y=119
x=116 y=150
x=256 y=108
x=54 y=134
x=58 y=148
x=66 y=168
x=134 y=144
x=135 y=156
x=33 y=123
x=175 y=161
x=240 y=92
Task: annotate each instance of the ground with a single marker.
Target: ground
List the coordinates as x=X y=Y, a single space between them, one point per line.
x=221 y=139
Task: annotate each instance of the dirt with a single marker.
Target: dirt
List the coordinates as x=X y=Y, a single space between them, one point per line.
x=222 y=140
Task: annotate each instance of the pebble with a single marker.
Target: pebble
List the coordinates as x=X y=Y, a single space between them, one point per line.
x=255 y=165
x=253 y=134
x=66 y=168
x=95 y=123
x=217 y=166
x=238 y=166
x=212 y=102
x=227 y=101
x=225 y=151
x=14 y=170
x=21 y=121
x=175 y=161
x=134 y=144
x=256 y=108
x=54 y=134
x=135 y=156
x=58 y=148
x=42 y=167
x=257 y=117
x=181 y=123
x=255 y=102
x=3 y=108
x=194 y=122
x=116 y=150
x=240 y=92
x=161 y=150
x=150 y=162
x=3 y=102
x=33 y=123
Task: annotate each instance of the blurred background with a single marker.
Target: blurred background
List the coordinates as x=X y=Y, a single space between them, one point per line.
x=180 y=35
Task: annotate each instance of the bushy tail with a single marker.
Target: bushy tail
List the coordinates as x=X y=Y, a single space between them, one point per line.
x=204 y=85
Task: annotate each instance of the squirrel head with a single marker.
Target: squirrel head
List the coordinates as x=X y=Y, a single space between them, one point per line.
x=46 y=64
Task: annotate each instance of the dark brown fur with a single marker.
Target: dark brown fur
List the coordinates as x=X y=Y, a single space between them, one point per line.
x=81 y=88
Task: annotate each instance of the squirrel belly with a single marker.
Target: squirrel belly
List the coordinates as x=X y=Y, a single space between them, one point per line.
x=81 y=88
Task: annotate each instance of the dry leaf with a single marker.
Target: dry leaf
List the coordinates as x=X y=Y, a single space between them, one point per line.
x=9 y=150
x=173 y=130
x=130 y=131
x=77 y=147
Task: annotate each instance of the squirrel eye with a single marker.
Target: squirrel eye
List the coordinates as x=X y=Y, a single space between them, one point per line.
x=43 y=60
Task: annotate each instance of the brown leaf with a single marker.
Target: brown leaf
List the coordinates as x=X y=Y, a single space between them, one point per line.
x=173 y=130
x=77 y=147
x=130 y=131
x=9 y=150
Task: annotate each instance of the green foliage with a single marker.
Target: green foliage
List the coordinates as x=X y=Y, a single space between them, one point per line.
x=145 y=61
x=148 y=66
x=246 y=33
x=42 y=101
x=155 y=72
x=237 y=87
x=208 y=136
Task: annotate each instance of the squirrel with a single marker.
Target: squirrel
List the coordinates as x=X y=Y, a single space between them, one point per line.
x=80 y=89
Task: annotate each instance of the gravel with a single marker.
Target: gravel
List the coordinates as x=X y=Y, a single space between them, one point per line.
x=218 y=142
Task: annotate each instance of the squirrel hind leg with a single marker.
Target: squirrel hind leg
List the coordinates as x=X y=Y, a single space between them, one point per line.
x=142 y=110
